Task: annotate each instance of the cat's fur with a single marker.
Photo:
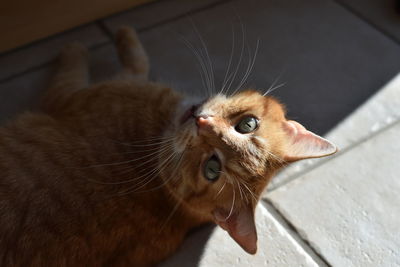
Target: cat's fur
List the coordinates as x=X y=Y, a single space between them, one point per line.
x=112 y=174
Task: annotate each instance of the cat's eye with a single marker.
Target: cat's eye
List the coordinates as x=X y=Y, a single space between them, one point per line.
x=247 y=125
x=212 y=168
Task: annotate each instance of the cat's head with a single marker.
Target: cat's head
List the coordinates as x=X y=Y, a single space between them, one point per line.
x=229 y=148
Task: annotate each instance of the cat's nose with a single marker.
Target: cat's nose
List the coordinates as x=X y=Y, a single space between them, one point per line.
x=203 y=121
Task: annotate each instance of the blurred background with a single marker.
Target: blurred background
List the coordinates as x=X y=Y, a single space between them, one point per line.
x=332 y=62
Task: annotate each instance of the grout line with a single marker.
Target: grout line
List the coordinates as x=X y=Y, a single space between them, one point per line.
x=294 y=233
x=46 y=64
x=110 y=35
x=185 y=14
x=31 y=69
x=44 y=39
x=99 y=45
x=345 y=150
x=367 y=21
x=104 y=29
x=143 y=5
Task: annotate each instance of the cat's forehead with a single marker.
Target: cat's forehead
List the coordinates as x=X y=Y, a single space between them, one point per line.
x=234 y=104
x=249 y=101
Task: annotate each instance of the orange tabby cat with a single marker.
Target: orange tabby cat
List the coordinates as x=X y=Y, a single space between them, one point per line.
x=117 y=173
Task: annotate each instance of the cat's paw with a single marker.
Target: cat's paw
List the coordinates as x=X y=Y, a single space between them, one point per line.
x=126 y=37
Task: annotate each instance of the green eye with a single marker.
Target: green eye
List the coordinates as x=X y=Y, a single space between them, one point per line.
x=247 y=125
x=212 y=169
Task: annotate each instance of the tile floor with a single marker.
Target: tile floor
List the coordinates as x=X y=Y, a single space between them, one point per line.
x=352 y=216
x=331 y=55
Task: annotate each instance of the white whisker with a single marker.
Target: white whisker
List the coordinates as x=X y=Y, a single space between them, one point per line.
x=175 y=208
x=220 y=190
x=250 y=66
x=149 y=145
x=240 y=58
x=207 y=56
x=204 y=72
x=154 y=138
x=168 y=179
x=273 y=89
x=124 y=171
x=154 y=172
x=227 y=77
x=121 y=162
x=248 y=189
x=128 y=169
x=233 y=203
x=240 y=191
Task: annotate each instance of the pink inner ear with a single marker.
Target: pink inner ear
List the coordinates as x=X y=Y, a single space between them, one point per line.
x=305 y=144
x=240 y=225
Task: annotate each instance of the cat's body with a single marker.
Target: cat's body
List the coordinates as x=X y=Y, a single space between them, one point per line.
x=112 y=174
x=54 y=207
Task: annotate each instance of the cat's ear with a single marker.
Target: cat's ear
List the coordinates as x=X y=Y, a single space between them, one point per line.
x=240 y=225
x=302 y=144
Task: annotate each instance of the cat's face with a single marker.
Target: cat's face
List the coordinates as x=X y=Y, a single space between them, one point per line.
x=230 y=147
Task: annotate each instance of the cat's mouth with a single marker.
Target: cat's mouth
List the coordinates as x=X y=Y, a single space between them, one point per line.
x=189 y=113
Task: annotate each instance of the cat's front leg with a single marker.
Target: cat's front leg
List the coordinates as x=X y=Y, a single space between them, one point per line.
x=72 y=75
x=132 y=55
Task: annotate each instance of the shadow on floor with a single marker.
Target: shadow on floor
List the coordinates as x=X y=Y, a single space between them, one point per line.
x=192 y=248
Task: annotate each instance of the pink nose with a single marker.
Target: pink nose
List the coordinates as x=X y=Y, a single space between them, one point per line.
x=203 y=121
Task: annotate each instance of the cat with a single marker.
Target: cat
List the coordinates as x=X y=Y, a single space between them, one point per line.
x=117 y=173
